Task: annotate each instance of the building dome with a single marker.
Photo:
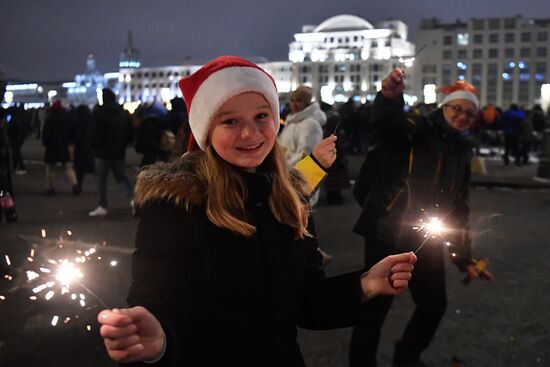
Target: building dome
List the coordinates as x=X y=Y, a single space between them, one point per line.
x=344 y=22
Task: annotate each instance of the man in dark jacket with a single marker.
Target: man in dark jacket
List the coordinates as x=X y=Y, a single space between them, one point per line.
x=512 y=120
x=418 y=170
x=111 y=133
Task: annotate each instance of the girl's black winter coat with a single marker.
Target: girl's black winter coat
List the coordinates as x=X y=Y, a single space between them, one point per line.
x=226 y=300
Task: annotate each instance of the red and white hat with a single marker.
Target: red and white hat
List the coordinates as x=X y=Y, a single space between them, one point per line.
x=206 y=90
x=460 y=90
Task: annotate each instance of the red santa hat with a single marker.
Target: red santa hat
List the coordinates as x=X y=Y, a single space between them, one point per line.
x=460 y=90
x=206 y=90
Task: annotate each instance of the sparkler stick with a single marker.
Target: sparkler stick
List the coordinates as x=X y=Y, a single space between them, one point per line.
x=408 y=62
x=336 y=128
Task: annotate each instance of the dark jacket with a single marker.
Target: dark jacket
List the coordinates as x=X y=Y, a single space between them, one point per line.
x=226 y=300
x=111 y=132
x=5 y=174
x=56 y=135
x=417 y=169
x=83 y=155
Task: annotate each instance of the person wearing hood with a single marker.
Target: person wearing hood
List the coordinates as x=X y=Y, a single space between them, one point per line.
x=111 y=133
x=303 y=129
x=303 y=126
x=417 y=171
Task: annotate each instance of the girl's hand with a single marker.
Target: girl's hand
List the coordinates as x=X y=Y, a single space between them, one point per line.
x=325 y=151
x=131 y=334
x=390 y=276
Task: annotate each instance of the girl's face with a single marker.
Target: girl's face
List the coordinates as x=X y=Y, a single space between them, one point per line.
x=243 y=130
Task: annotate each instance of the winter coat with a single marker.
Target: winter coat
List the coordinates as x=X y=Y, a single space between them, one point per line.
x=111 y=132
x=83 y=155
x=5 y=174
x=222 y=299
x=56 y=136
x=418 y=169
x=511 y=121
x=302 y=131
x=526 y=130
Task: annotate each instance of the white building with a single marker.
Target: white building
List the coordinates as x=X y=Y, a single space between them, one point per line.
x=343 y=56
x=347 y=56
x=506 y=58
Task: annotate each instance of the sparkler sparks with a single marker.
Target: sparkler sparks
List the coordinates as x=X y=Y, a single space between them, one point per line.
x=433 y=226
x=56 y=270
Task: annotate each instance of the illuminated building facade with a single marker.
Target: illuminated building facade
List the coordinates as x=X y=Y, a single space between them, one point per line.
x=506 y=58
x=347 y=56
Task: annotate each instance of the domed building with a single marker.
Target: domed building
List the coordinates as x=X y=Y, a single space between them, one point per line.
x=347 y=56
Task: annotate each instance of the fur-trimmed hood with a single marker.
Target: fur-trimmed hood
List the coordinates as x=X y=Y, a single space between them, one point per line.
x=178 y=182
x=175 y=181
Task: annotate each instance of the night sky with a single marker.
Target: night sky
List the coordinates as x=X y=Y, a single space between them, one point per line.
x=44 y=40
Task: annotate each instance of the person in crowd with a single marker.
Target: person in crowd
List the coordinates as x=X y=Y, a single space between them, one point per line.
x=303 y=128
x=362 y=127
x=511 y=121
x=417 y=170
x=539 y=124
x=111 y=133
x=16 y=135
x=7 y=203
x=337 y=175
x=56 y=136
x=526 y=136
x=227 y=265
x=153 y=122
x=83 y=155
x=41 y=117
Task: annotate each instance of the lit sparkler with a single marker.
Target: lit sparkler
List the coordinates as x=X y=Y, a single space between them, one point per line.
x=49 y=273
x=433 y=226
x=409 y=61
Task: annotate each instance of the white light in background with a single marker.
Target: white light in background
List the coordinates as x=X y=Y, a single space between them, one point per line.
x=165 y=95
x=8 y=97
x=131 y=106
x=545 y=96
x=429 y=93
x=99 y=94
x=326 y=94
x=21 y=87
x=51 y=94
x=410 y=100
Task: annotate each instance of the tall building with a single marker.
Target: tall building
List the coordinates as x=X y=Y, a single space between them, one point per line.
x=347 y=56
x=506 y=58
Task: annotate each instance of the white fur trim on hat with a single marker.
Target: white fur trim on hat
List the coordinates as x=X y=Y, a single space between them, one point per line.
x=462 y=94
x=223 y=85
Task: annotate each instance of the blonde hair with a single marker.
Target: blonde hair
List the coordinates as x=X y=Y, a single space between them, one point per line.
x=226 y=194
